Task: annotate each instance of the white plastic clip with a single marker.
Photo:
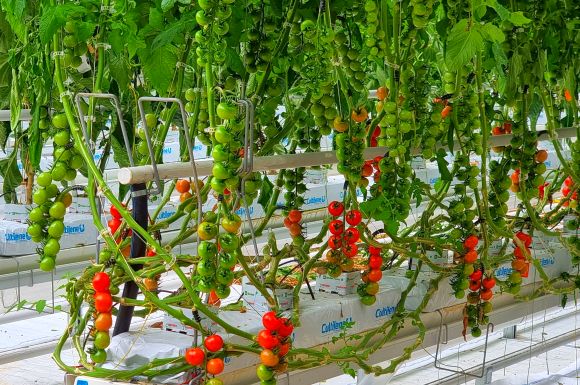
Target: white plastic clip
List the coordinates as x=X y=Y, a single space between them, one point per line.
x=105 y=46
x=91 y=118
x=64 y=94
x=392 y=65
x=186 y=66
x=57 y=53
x=109 y=8
x=209 y=130
x=169 y=266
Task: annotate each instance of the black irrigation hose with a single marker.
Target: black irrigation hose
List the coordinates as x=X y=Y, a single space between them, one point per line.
x=138 y=249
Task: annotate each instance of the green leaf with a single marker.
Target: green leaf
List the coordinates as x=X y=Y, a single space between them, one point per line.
x=4 y=133
x=234 y=62
x=15 y=104
x=40 y=305
x=11 y=175
x=442 y=166
x=159 y=68
x=55 y=17
x=416 y=191
x=175 y=30
x=119 y=152
x=166 y=5
x=492 y=33
x=463 y=43
x=518 y=19
x=265 y=192
x=119 y=70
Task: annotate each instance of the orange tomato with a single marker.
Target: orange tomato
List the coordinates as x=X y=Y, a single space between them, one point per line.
x=295 y=229
x=150 y=284
x=470 y=256
x=372 y=288
x=382 y=93
x=268 y=358
x=567 y=95
x=367 y=170
x=182 y=185
x=185 y=196
x=497 y=131
x=359 y=115
x=518 y=264
x=375 y=275
x=213 y=299
x=515 y=188
x=283 y=349
x=333 y=256
x=446 y=111
x=515 y=177
x=103 y=322
x=486 y=294
x=541 y=156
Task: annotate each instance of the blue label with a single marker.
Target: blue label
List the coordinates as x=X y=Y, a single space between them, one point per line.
x=81 y=382
x=74 y=229
x=165 y=214
x=167 y=150
x=315 y=200
x=334 y=326
x=547 y=261
x=242 y=210
x=17 y=237
x=384 y=311
x=503 y=271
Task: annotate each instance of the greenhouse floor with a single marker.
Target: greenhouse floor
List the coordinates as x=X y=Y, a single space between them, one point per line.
x=26 y=340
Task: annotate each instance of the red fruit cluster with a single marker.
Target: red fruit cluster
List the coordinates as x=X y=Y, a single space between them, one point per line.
x=470 y=244
x=197 y=356
x=521 y=256
x=505 y=128
x=292 y=222
x=115 y=222
x=274 y=339
x=103 y=317
x=567 y=190
x=542 y=190
x=482 y=286
x=343 y=240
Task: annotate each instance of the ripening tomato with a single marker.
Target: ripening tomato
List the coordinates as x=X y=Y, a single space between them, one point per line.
x=114 y=225
x=541 y=156
x=486 y=294
x=375 y=275
x=367 y=170
x=214 y=366
x=375 y=262
x=525 y=238
x=101 y=282
x=103 y=322
x=476 y=275
x=182 y=186
x=267 y=340
x=213 y=343
x=353 y=217
x=567 y=95
x=470 y=256
x=335 y=242
x=471 y=242
x=350 y=250
x=382 y=93
x=336 y=227
x=446 y=111
x=271 y=321
x=103 y=302
x=374 y=250
x=295 y=216
x=351 y=235
x=184 y=196
x=359 y=115
x=515 y=177
x=488 y=282
x=269 y=358
x=283 y=349
x=335 y=208
x=520 y=254
x=295 y=229
x=286 y=328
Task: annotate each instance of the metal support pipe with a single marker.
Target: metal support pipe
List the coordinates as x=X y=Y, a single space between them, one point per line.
x=142 y=174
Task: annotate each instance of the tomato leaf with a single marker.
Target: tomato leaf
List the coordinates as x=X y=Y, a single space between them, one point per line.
x=518 y=19
x=442 y=166
x=166 y=5
x=176 y=29
x=40 y=305
x=265 y=192
x=159 y=67
x=55 y=17
x=119 y=152
x=11 y=175
x=492 y=33
x=463 y=43
x=34 y=138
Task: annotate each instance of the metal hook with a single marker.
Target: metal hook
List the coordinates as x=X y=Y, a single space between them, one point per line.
x=117 y=105
x=187 y=141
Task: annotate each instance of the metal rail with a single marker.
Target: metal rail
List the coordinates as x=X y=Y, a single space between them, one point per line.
x=141 y=174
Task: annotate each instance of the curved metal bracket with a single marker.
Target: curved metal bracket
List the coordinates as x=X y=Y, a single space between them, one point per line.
x=439 y=365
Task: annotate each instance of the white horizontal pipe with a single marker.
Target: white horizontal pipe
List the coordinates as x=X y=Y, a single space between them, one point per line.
x=142 y=174
x=5 y=115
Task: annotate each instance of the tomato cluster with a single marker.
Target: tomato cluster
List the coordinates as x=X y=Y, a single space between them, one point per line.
x=520 y=263
x=567 y=192
x=209 y=356
x=350 y=146
x=371 y=277
x=46 y=220
x=292 y=223
x=275 y=341
x=342 y=241
x=103 y=303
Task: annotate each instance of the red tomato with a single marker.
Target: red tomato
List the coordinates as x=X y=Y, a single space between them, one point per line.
x=151 y=253
x=367 y=170
x=375 y=262
x=497 y=131
x=287 y=222
x=446 y=111
x=376 y=161
x=566 y=191
x=353 y=217
x=103 y=302
x=295 y=229
x=267 y=340
x=335 y=242
x=215 y=366
x=507 y=127
x=515 y=177
x=350 y=250
x=519 y=253
x=271 y=321
x=286 y=328
x=567 y=95
x=374 y=250
x=476 y=275
x=351 y=235
x=568 y=181
x=295 y=216
x=194 y=356
x=474 y=285
x=375 y=275
x=470 y=256
x=114 y=224
x=336 y=227
x=213 y=343
x=283 y=349
x=101 y=282
x=488 y=282
x=486 y=294
x=525 y=238
x=335 y=208
x=471 y=242
x=115 y=212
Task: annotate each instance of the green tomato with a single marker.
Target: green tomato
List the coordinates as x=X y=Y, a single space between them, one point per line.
x=228 y=242
x=44 y=179
x=223 y=135
x=76 y=162
x=51 y=191
x=220 y=171
x=99 y=356
x=56 y=229
x=205 y=268
x=210 y=216
x=368 y=300
x=251 y=186
x=47 y=264
x=60 y=121
x=59 y=171
x=227 y=260
x=219 y=153
x=36 y=215
x=62 y=137
x=207 y=231
x=264 y=373
x=40 y=197
x=102 y=340
x=57 y=210
x=218 y=185
x=207 y=249
x=222 y=291
x=226 y=110
x=34 y=230
x=51 y=248
x=225 y=276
